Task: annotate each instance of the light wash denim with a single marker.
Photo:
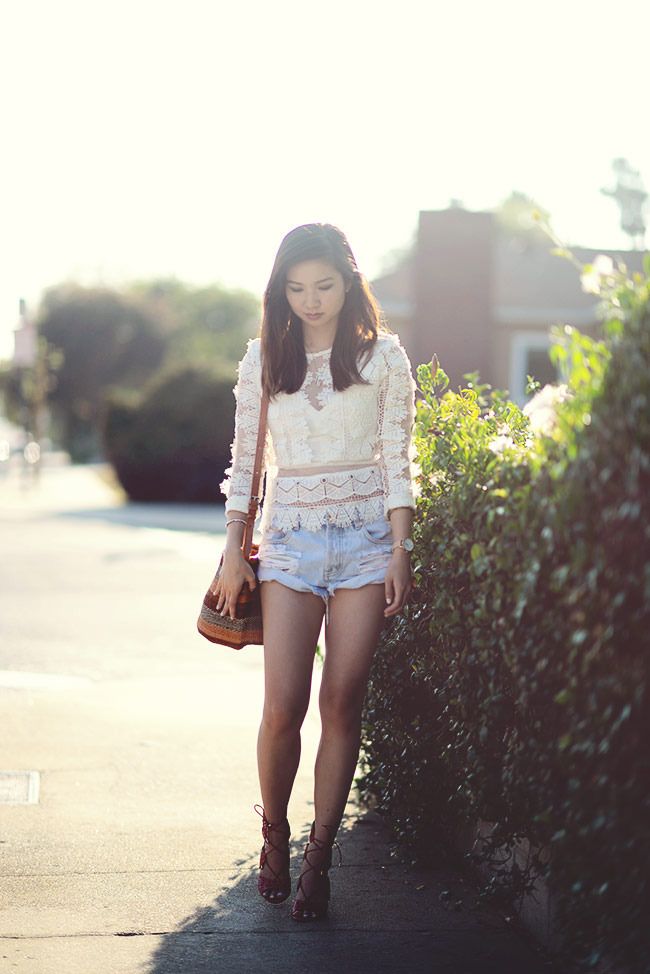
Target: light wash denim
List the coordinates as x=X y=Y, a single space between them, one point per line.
x=324 y=560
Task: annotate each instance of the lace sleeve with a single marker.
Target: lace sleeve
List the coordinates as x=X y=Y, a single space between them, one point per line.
x=396 y=414
x=238 y=479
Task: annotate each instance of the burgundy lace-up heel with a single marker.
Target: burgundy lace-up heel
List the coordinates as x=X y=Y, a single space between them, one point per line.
x=276 y=888
x=315 y=906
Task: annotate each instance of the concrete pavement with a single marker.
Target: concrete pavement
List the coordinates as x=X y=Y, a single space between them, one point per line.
x=141 y=852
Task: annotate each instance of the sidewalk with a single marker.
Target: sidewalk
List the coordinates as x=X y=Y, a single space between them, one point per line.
x=89 y=491
x=140 y=854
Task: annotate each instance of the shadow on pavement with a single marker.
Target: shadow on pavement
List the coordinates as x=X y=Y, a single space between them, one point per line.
x=208 y=518
x=384 y=917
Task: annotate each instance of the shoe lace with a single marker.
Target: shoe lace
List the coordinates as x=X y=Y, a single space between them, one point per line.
x=321 y=844
x=267 y=827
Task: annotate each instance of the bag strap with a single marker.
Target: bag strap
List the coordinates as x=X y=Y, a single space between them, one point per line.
x=257 y=472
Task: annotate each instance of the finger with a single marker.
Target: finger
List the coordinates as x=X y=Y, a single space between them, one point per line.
x=397 y=602
x=392 y=608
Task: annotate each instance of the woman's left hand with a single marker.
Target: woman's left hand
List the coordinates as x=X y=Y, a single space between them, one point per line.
x=399 y=582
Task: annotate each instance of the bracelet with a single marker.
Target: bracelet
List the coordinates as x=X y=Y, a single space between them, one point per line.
x=240 y=519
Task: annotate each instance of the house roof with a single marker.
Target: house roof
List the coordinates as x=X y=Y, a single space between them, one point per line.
x=529 y=283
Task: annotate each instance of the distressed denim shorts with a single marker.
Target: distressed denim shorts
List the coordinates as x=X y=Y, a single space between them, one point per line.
x=324 y=560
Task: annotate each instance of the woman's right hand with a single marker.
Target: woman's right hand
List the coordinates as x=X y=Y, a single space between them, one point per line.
x=235 y=572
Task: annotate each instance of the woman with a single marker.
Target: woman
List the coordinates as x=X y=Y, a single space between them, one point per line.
x=337 y=515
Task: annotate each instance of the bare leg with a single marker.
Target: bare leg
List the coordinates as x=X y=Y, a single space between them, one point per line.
x=292 y=622
x=355 y=622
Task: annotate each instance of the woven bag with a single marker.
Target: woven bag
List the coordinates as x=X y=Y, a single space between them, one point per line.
x=246 y=627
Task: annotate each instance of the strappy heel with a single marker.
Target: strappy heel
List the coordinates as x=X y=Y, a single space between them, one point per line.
x=315 y=906
x=275 y=888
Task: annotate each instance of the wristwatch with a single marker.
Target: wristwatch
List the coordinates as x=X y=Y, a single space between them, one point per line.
x=405 y=543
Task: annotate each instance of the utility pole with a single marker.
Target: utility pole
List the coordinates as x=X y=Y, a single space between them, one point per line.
x=30 y=358
x=631 y=197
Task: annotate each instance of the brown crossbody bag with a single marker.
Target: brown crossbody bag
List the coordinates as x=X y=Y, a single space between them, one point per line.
x=246 y=627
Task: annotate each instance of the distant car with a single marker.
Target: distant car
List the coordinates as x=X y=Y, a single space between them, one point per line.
x=13 y=440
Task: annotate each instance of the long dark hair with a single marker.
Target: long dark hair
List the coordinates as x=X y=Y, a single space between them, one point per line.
x=284 y=363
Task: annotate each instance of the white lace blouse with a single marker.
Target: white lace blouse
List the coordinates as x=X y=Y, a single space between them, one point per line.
x=330 y=456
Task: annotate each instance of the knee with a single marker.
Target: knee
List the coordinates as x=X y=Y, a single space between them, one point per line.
x=340 y=710
x=281 y=719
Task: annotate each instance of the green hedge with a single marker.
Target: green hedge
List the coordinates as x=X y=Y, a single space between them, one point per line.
x=172 y=442
x=515 y=689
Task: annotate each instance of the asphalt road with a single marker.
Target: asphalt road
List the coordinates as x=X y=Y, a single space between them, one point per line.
x=139 y=853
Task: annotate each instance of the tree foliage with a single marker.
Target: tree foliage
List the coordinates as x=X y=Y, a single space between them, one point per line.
x=104 y=339
x=202 y=324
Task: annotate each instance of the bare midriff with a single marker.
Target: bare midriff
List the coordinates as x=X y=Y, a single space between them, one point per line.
x=327 y=468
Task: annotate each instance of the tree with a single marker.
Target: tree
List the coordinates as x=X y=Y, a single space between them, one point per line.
x=514 y=217
x=105 y=339
x=202 y=324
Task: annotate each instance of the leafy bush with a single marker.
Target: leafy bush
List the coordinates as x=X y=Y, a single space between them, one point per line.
x=515 y=689
x=172 y=442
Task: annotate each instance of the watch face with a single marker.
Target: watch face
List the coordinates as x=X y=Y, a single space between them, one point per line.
x=408 y=544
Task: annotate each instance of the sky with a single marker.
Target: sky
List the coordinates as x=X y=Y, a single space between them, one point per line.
x=186 y=137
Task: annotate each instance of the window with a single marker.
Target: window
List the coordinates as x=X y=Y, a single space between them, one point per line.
x=529 y=356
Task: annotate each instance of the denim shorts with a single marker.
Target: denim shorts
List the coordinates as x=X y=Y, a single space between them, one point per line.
x=324 y=560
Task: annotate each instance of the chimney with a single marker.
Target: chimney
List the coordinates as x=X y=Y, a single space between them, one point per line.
x=453 y=291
